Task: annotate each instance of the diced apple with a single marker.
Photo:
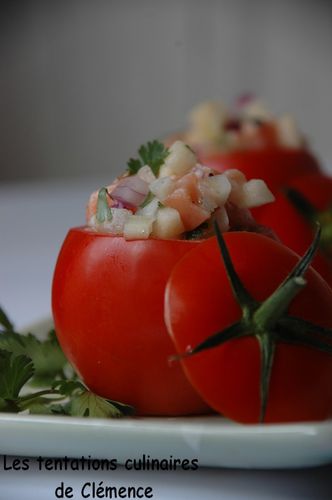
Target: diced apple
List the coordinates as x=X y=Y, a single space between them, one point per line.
x=237 y=180
x=206 y=122
x=233 y=174
x=145 y=173
x=162 y=187
x=207 y=199
x=288 y=133
x=220 y=188
x=180 y=160
x=150 y=209
x=256 y=109
x=168 y=224
x=256 y=193
x=138 y=227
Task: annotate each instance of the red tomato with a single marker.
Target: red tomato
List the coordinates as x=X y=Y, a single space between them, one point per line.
x=275 y=166
x=199 y=302
x=108 y=299
x=291 y=226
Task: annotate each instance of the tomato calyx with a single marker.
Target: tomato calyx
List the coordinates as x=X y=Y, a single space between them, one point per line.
x=312 y=216
x=268 y=321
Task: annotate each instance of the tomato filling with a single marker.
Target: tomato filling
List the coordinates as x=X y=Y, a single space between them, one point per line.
x=167 y=194
x=247 y=124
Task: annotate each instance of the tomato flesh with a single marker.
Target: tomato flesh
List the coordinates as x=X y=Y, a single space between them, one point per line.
x=199 y=302
x=107 y=301
x=291 y=226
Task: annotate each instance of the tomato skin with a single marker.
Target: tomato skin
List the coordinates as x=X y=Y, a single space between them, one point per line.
x=199 y=302
x=107 y=303
x=276 y=166
x=290 y=226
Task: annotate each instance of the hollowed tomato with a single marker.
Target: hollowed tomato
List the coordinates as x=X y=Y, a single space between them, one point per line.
x=108 y=307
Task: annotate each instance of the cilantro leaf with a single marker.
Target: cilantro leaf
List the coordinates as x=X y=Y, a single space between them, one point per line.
x=68 y=387
x=39 y=406
x=24 y=358
x=15 y=371
x=134 y=165
x=5 y=321
x=47 y=356
x=88 y=404
x=153 y=154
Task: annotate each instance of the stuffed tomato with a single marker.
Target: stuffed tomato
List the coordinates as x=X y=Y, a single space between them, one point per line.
x=110 y=278
x=108 y=296
x=248 y=137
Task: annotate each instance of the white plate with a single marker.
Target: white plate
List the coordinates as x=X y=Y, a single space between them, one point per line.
x=213 y=440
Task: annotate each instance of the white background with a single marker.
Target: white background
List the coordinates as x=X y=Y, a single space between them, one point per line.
x=84 y=83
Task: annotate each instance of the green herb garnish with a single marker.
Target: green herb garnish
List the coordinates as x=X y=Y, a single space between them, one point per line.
x=104 y=212
x=153 y=154
x=149 y=197
x=26 y=361
x=197 y=233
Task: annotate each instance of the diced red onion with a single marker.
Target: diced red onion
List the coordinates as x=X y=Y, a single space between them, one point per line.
x=131 y=191
x=244 y=99
x=232 y=125
x=118 y=204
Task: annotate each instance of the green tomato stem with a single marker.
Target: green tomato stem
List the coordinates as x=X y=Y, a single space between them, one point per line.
x=271 y=310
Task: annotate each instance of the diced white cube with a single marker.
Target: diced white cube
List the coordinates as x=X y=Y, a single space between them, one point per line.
x=256 y=109
x=162 y=187
x=256 y=193
x=150 y=209
x=237 y=180
x=168 y=224
x=220 y=188
x=180 y=160
x=288 y=133
x=206 y=122
x=145 y=173
x=138 y=227
x=207 y=199
x=116 y=225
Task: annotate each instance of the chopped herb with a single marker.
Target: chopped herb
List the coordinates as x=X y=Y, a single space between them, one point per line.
x=197 y=233
x=25 y=360
x=15 y=371
x=133 y=166
x=149 y=197
x=104 y=212
x=47 y=356
x=153 y=154
x=87 y=404
x=5 y=321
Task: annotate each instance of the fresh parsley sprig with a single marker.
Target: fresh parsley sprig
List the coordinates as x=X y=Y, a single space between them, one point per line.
x=153 y=154
x=26 y=361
